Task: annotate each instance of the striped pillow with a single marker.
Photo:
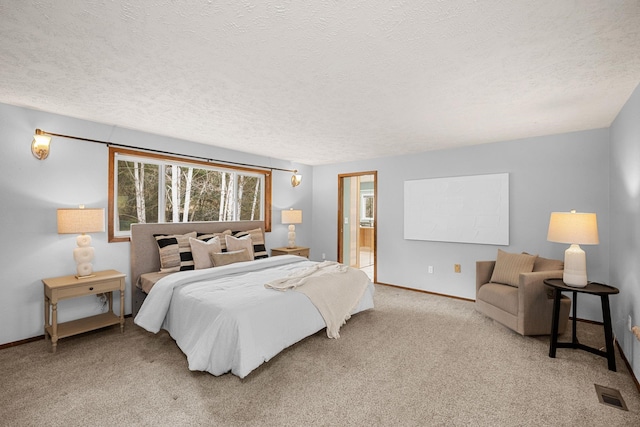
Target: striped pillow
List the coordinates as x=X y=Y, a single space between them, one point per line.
x=207 y=236
x=175 y=252
x=257 y=239
x=509 y=266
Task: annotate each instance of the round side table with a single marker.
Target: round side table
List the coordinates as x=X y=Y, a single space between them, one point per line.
x=592 y=288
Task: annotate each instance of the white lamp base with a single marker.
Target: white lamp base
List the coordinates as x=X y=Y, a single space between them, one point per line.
x=83 y=255
x=292 y=236
x=575 y=267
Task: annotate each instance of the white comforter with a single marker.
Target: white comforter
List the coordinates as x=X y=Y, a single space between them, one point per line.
x=224 y=319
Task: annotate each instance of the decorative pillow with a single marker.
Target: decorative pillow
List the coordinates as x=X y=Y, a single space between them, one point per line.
x=231 y=257
x=175 y=252
x=257 y=239
x=546 y=264
x=202 y=251
x=207 y=236
x=239 y=243
x=509 y=266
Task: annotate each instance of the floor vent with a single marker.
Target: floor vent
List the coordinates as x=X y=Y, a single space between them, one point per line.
x=610 y=397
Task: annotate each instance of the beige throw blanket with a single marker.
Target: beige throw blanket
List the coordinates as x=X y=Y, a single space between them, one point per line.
x=333 y=288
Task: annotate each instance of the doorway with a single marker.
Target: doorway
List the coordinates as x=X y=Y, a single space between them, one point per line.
x=357 y=222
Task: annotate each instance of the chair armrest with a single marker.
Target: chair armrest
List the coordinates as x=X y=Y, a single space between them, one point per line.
x=484 y=270
x=532 y=292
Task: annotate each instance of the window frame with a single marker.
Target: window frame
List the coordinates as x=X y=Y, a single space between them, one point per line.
x=162 y=158
x=367 y=197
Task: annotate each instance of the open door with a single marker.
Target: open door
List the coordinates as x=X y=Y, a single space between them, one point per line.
x=357 y=207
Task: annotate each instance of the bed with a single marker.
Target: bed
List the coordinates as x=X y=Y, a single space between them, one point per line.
x=224 y=318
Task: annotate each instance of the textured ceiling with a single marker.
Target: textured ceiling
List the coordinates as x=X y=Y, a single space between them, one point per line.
x=321 y=82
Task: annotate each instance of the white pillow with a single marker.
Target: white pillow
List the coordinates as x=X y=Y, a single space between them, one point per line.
x=202 y=251
x=239 y=243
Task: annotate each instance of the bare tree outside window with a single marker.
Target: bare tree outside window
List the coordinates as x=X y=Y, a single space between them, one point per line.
x=151 y=190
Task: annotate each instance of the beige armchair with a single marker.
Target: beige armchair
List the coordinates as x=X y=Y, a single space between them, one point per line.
x=525 y=305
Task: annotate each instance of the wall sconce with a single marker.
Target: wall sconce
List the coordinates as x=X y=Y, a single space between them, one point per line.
x=292 y=217
x=42 y=140
x=296 y=178
x=575 y=229
x=40 y=145
x=81 y=221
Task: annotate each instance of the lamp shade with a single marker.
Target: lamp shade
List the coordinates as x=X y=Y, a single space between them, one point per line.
x=80 y=220
x=573 y=227
x=292 y=216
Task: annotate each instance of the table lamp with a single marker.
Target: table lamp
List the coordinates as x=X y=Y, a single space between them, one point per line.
x=575 y=229
x=81 y=221
x=292 y=217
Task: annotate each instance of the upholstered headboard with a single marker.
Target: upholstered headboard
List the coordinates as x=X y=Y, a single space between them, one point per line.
x=144 y=249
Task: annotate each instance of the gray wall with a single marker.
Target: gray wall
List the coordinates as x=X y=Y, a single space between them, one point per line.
x=76 y=173
x=555 y=173
x=625 y=225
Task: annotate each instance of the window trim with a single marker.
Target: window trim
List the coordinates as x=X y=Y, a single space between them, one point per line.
x=144 y=154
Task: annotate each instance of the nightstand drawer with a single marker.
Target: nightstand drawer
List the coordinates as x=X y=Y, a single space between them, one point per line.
x=88 y=289
x=299 y=251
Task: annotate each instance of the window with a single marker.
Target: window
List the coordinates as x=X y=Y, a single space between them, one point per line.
x=151 y=188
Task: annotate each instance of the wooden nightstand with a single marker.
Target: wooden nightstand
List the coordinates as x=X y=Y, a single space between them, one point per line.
x=298 y=250
x=59 y=288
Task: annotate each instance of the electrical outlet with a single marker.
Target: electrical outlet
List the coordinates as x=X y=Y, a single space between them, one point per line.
x=456 y=268
x=430 y=269
x=629 y=323
x=324 y=256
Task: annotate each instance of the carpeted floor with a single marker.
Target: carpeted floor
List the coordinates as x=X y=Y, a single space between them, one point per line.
x=416 y=359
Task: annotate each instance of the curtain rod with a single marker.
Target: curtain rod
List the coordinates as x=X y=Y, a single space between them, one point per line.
x=188 y=156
